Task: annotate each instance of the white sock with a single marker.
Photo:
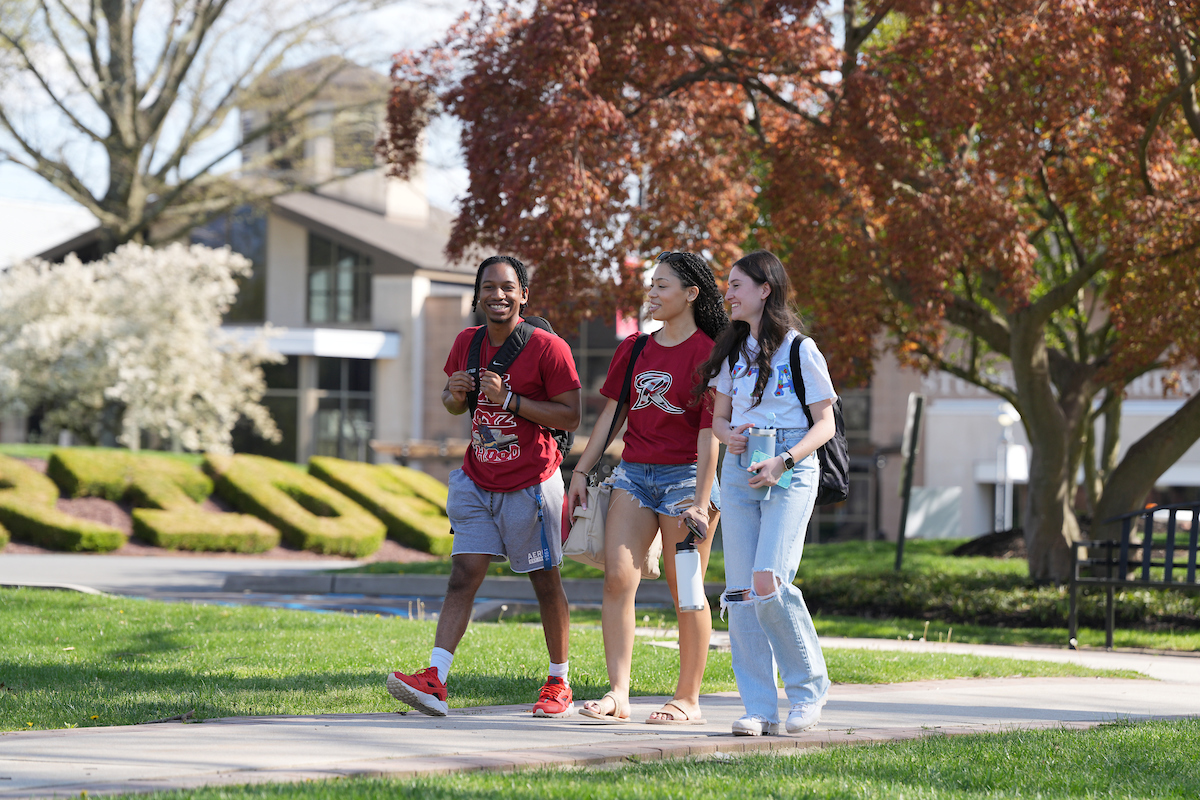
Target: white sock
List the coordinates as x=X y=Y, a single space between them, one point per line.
x=442 y=659
x=560 y=670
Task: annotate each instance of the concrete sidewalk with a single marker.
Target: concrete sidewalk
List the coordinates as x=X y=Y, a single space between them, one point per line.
x=148 y=575
x=283 y=749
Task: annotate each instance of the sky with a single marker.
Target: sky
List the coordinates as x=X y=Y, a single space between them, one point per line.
x=406 y=24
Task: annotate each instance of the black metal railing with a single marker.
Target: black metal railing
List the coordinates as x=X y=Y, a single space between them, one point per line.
x=1151 y=562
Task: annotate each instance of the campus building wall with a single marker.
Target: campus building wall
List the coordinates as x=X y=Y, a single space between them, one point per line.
x=287 y=272
x=961 y=437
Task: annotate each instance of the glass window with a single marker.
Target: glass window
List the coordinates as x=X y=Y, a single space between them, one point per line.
x=344 y=374
x=339 y=283
x=283 y=376
x=329 y=418
x=343 y=427
x=358 y=378
x=329 y=374
x=285 y=411
x=245 y=231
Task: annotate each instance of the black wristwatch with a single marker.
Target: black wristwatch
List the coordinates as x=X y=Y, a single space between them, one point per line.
x=788 y=461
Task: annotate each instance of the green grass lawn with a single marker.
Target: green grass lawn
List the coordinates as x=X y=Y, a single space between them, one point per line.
x=853 y=590
x=838 y=560
x=936 y=631
x=74 y=660
x=1151 y=759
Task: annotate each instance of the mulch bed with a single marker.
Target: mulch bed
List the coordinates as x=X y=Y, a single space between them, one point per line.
x=1001 y=544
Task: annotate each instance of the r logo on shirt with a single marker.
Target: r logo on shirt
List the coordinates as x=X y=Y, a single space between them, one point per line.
x=652 y=387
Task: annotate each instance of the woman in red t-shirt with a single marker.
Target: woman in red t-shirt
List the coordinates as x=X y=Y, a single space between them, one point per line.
x=667 y=475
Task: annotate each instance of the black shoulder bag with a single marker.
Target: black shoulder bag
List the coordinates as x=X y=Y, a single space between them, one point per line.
x=834 y=456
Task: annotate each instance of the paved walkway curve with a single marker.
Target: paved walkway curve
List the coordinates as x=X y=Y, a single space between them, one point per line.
x=233 y=751
x=142 y=758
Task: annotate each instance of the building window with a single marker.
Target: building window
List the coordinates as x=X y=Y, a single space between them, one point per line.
x=593 y=348
x=339 y=283
x=244 y=230
x=343 y=421
x=283 y=401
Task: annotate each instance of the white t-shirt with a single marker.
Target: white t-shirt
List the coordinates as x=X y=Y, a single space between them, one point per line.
x=780 y=408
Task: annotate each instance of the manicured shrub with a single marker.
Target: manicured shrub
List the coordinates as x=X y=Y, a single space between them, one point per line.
x=422 y=485
x=27 y=499
x=987 y=598
x=199 y=530
x=90 y=473
x=146 y=481
x=4 y=537
x=166 y=493
x=389 y=493
x=310 y=514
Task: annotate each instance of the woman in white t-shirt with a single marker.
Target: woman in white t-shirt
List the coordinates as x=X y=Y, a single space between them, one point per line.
x=765 y=516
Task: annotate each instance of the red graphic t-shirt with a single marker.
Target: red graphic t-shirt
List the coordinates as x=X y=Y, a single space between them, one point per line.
x=509 y=452
x=663 y=421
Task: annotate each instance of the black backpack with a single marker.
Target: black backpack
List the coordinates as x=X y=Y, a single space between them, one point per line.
x=834 y=456
x=503 y=359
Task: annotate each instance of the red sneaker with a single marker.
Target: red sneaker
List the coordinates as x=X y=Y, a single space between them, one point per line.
x=423 y=691
x=554 y=700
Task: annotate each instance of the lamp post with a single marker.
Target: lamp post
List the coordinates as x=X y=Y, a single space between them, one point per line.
x=1007 y=416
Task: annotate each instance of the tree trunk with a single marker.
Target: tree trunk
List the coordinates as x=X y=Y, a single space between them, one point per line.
x=1050 y=524
x=1147 y=459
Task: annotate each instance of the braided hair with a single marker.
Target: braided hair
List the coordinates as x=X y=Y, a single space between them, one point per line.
x=512 y=261
x=708 y=309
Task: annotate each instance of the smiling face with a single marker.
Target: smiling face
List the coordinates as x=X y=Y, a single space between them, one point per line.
x=500 y=293
x=746 y=298
x=668 y=297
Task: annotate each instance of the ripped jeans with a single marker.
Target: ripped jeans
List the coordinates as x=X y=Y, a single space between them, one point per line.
x=775 y=630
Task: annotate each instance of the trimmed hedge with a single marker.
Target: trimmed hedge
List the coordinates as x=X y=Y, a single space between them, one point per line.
x=988 y=598
x=166 y=493
x=27 y=499
x=4 y=537
x=411 y=518
x=145 y=481
x=422 y=485
x=200 y=530
x=310 y=514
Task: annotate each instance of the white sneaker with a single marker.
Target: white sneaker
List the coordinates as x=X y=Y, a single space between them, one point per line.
x=804 y=715
x=754 y=725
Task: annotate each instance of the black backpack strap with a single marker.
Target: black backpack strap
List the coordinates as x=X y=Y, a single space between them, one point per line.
x=503 y=359
x=798 y=377
x=626 y=387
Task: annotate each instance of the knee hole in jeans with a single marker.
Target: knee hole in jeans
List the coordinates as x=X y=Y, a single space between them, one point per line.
x=766 y=584
x=733 y=597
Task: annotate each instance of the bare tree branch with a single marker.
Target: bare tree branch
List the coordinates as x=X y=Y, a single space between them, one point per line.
x=1155 y=118
x=969 y=376
x=29 y=67
x=1186 y=65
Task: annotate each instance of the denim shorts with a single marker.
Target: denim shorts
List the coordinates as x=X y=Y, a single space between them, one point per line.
x=666 y=489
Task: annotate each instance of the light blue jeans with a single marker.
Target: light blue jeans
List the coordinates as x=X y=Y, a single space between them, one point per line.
x=766 y=632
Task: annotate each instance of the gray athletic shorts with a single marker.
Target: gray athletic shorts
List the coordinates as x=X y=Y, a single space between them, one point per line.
x=505 y=525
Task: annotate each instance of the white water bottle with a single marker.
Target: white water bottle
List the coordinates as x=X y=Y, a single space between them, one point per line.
x=689 y=578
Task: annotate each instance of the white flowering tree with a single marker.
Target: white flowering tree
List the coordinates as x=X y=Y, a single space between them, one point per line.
x=131 y=343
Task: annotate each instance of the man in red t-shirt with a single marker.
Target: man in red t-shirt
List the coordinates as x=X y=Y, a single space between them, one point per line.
x=506 y=501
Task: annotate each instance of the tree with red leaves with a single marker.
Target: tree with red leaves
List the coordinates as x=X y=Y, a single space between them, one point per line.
x=1006 y=191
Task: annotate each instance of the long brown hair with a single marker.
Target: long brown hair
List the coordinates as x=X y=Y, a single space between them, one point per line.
x=778 y=318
